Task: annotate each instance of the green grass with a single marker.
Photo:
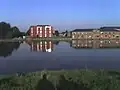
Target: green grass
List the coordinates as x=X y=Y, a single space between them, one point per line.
x=53 y=38
x=74 y=80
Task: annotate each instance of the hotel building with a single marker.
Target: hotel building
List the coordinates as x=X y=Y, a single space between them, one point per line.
x=41 y=31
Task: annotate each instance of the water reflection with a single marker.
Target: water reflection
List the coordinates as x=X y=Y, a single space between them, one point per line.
x=43 y=46
x=96 y=43
x=6 y=48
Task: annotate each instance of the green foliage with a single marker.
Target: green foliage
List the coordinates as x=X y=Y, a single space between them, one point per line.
x=6 y=31
x=65 y=80
x=56 y=33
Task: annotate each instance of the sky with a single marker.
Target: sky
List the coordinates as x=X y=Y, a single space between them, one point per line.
x=61 y=14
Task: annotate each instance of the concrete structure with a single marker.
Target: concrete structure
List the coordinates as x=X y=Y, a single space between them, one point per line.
x=41 y=31
x=102 y=33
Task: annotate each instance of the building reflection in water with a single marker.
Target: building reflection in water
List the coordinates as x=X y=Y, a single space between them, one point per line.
x=96 y=43
x=43 y=46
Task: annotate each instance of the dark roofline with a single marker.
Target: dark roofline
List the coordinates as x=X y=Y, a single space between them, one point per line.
x=89 y=30
x=39 y=25
x=109 y=27
x=43 y=25
x=107 y=30
x=82 y=30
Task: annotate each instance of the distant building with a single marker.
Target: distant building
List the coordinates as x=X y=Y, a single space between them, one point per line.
x=82 y=34
x=102 y=33
x=41 y=31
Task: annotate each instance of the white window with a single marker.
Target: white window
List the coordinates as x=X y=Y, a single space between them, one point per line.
x=40 y=42
x=41 y=47
x=31 y=30
x=90 y=41
x=40 y=31
x=40 y=28
x=73 y=36
x=49 y=35
x=45 y=46
x=45 y=42
x=86 y=45
x=40 y=35
x=89 y=36
x=101 y=41
x=50 y=31
x=37 y=31
x=37 y=46
x=45 y=35
x=45 y=31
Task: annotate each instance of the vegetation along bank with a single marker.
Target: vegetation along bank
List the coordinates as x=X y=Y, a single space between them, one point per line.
x=63 y=80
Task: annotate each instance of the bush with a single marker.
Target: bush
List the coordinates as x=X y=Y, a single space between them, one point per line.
x=65 y=80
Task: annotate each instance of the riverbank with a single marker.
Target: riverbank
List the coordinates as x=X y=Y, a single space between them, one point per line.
x=73 y=79
x=46 y=39
x=11 y=40
x=54 y=38
x=65 y=38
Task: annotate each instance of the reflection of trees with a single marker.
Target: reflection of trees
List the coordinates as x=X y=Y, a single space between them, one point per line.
x=56 y=42
x=6 y=48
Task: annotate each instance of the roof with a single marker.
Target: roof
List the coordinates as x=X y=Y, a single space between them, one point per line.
x=110 y=29
x=39 y=25
x=43 y=25
x=101 y=29
x=82 y=30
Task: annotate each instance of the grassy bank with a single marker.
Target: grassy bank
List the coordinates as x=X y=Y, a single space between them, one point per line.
x=54 y=38
x=64 y=80
x=11 y=40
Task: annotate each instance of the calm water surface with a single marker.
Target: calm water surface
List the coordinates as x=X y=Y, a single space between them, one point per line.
x=32 y=56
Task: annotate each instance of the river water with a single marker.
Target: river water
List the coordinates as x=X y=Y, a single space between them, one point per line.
x=76 y=54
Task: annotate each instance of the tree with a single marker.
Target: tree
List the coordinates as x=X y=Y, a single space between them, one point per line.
x=6 y=31
x=66 y=31
x=57 y=33
x=15 y=29
x=4 y=28
x=27 y=33
x=15 y=32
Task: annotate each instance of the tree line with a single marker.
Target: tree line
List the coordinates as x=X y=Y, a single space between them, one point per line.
x=7 y=31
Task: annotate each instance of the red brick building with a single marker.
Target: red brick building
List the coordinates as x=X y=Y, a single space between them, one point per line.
x=41 y=31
